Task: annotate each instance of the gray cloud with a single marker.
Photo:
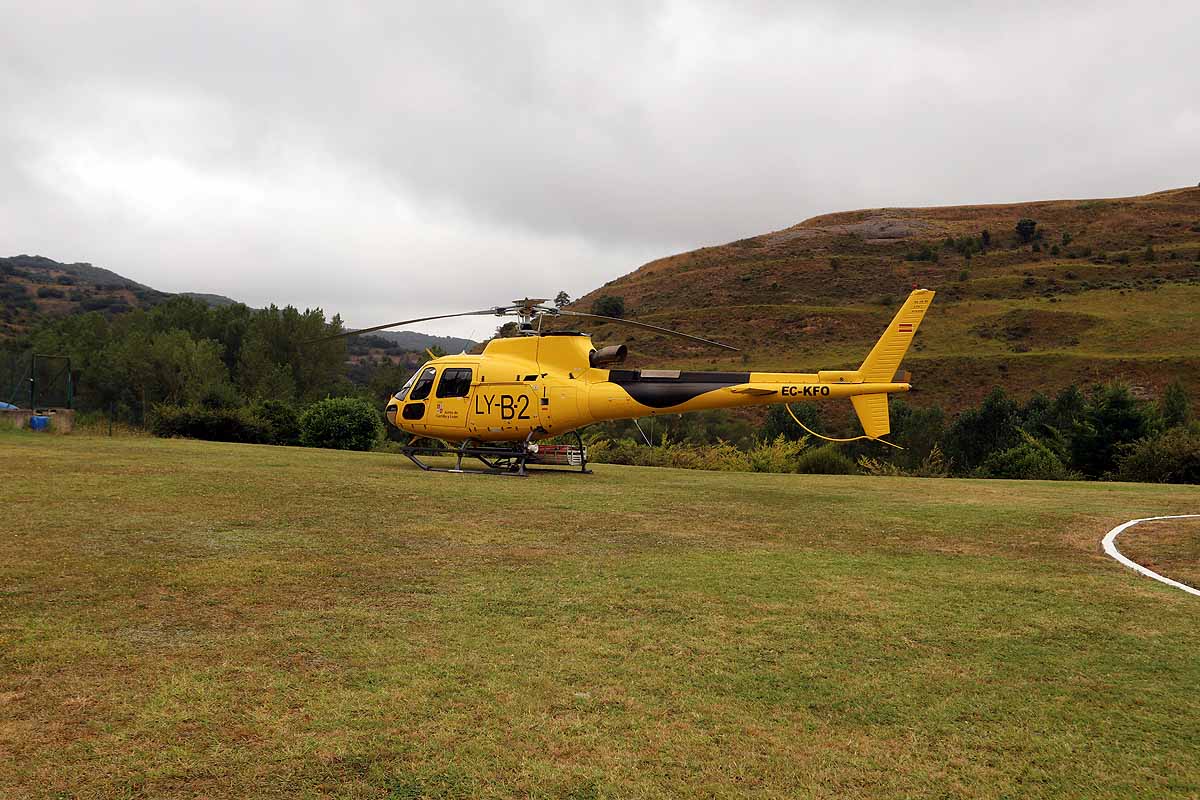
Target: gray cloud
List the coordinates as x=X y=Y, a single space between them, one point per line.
x=384 y=159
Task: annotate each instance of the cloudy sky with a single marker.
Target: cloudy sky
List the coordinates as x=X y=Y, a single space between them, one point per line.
x=390 y=159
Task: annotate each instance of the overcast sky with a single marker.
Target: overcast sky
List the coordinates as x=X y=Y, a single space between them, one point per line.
x=392 y=159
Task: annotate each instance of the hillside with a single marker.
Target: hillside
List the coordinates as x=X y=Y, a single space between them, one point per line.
x=1096 y=290
x=35 y=288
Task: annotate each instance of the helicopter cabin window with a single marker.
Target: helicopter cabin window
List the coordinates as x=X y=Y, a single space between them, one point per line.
x=424 y=383
x=400 y=395
x=454 y=383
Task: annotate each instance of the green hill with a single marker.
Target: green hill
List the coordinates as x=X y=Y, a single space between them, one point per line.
x=1095 y=290
x=35 y=288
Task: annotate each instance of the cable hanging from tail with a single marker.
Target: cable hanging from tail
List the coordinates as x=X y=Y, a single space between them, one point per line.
x=830 y=439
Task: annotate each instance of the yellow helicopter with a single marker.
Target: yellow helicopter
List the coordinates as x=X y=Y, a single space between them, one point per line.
x=498 y=405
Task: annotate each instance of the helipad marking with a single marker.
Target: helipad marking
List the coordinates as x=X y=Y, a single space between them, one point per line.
x=1110 y=547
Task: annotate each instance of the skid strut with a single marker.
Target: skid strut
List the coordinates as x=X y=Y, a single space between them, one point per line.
x=506 y=458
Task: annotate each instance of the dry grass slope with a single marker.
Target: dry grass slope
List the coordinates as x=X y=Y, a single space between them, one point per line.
x=1088 y=304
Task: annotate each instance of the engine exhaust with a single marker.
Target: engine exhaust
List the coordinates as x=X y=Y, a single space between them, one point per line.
x=608 y=356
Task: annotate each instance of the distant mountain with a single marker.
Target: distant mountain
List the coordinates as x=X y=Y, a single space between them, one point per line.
x=214 y=300
x=412 y=340
x=33 y=288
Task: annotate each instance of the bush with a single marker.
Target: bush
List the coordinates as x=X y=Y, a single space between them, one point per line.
x=1175 y=407
x=341 y=423
x=609 y=305
x=1029 y=461
x=722 y=456
x=825 y=460
x=934 y=465
x=1173 y=457
x=780 y=454
x=1026 y=229
x=980 y=431
x=777 y=455
x=212 y=424
x=1111 y=418
x=49 y=291
x=281 y=420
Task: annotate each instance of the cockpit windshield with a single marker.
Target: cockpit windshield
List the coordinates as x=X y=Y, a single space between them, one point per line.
x=400 y=395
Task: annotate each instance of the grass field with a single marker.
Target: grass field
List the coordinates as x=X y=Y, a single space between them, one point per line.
x=187 y=619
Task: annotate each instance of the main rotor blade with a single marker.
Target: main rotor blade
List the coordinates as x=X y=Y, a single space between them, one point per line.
x=648 y=326
x=488 y=312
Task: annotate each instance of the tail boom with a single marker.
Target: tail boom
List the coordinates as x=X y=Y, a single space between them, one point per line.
x=624 y=394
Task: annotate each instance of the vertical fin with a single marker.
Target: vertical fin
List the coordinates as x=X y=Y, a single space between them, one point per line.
x=885 y=357
x=883 y=362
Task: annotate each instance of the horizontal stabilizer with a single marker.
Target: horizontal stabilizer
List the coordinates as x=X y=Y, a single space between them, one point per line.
x=753 y=389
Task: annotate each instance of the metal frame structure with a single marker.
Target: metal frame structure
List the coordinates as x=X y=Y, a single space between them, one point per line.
x=502 y=458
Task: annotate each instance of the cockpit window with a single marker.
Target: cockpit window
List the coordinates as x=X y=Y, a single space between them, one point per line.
x=454 y=383
x=400 y=395
x=420 y=389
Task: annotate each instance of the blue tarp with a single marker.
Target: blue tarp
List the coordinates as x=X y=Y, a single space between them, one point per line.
x=6 y=406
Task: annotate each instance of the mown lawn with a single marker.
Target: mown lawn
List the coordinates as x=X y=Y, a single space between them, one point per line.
x=187 y=619
x=1169 y=547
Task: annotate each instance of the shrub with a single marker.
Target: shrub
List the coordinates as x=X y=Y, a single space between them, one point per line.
x=721 y=456
x=341 y=423
x=1111 y=418
x=1030 y=460
x=1026 y=228
x=925 y=253
x=1175 y=407
x=49 y=291
x=212 y=424
x=610 y=305
x=934 y=465
x=1173 y=457
x=281 y=420
x=980 y=431
x=825 y=460
x=780 y=454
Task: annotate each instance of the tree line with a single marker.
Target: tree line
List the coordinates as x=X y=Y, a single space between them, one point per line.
x=184 y=352
x=1105 y=432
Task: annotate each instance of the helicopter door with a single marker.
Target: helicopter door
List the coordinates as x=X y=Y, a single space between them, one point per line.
x=449 y=405
x=414 y=409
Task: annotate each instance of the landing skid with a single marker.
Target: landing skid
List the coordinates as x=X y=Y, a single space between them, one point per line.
x=507 y=458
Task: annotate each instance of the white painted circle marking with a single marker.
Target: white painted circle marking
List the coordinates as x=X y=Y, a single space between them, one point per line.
x=1110 y=547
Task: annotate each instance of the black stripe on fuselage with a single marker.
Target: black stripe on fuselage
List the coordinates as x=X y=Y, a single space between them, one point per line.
x=659 y=392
